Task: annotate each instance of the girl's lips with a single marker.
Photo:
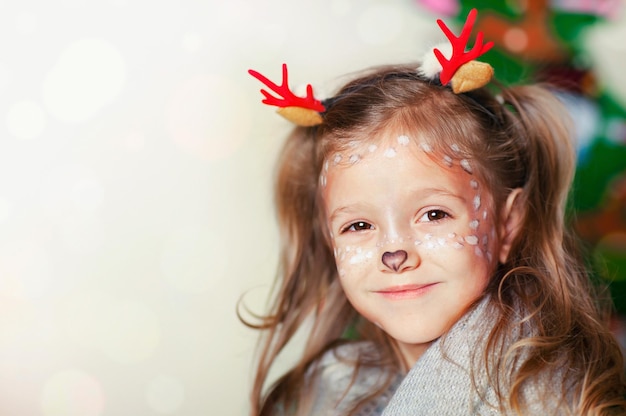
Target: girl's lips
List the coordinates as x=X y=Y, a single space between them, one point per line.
x=406 y=291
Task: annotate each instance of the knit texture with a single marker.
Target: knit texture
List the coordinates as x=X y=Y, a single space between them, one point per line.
x=334 y=394
x=440 y=383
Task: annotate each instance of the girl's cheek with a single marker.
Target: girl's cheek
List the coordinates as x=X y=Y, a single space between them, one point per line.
x=352 y=257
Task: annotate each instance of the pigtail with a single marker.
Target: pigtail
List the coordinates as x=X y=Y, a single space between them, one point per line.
x=545 y=275
x=306 y=288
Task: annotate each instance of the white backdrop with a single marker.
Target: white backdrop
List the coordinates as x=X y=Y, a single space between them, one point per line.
x=135 y=189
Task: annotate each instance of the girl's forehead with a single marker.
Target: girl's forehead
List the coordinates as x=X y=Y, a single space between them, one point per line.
x=381 y=157
x=389 y=144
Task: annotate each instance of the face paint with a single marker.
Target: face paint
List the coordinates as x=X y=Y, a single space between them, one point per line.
x=403 y=140
x=465 y=164
x=354 y=158
x=411 y=237
x=390 y=152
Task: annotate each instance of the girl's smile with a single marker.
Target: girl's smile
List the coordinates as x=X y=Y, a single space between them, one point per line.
x=413 y=239
x=409 y=291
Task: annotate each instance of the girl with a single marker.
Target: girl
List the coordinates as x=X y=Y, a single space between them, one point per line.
x=422 y=225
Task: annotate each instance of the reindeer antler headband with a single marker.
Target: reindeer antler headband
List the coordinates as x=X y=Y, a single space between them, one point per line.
x=461 y=71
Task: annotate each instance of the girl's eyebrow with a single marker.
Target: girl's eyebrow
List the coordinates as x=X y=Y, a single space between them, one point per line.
x=346 y=209
x=423 y=193
x=427 y=192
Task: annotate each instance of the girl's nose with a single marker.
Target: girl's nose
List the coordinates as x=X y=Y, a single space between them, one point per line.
x=394 y=260
x=399 y=261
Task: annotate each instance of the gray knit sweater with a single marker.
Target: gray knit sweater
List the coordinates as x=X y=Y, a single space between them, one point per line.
x=440 y=382
x=337 y=392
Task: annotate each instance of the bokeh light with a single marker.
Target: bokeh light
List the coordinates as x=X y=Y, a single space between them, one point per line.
x=26 y=120
x=136 y=168
x=72 y=393
x=88 y=75
x=209 y=117
x=193 y=259
x=165 y=395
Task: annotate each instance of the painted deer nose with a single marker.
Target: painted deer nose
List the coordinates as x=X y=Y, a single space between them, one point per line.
x=394 y=260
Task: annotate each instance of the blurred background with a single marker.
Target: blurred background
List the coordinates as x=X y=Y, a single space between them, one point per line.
x=136 y=165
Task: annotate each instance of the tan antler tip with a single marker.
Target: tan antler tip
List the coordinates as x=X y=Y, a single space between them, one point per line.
x=301 y=116
x=470 y=76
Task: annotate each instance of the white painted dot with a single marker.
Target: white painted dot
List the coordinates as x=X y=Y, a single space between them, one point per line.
x=455 y=148
x=447 y=160
x=72 y=393
x=25 y=120
x=471 y=239
x=372 y=148
x=457 y=245
x=359 y=257
x=165 y=394
x=474 y=224
x=337 y=159
x=426 y=147
x=89 y=75
x=354 y=158
x=403 y=140
x=474 y=184
x=466 y=165
x=390 y=152
x=478 y=251
x=476 y=202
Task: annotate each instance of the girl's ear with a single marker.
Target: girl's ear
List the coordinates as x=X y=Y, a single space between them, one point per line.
x=510 y=223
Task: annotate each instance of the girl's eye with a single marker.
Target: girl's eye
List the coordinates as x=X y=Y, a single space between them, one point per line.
x=358 y=226
x=434 y=215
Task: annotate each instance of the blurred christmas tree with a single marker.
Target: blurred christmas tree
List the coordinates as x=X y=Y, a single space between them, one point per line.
x=576 y=45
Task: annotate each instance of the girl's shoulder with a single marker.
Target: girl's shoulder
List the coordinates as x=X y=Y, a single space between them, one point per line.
x=342 y=380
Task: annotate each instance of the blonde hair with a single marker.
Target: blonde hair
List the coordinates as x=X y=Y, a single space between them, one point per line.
x=519 y=139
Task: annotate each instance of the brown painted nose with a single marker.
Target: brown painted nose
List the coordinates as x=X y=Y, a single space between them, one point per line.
x=394 y=260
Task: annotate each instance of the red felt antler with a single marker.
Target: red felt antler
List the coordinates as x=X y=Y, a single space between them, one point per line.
x=459 y=56
x=287 y=98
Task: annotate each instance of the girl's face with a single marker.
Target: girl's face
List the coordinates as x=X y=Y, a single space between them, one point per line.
x=415 y=242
